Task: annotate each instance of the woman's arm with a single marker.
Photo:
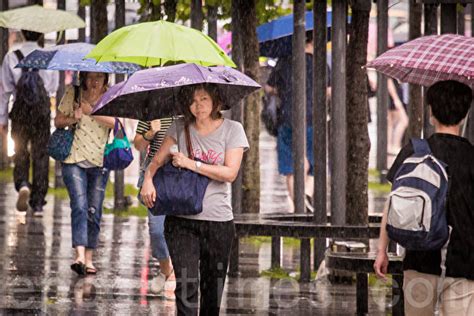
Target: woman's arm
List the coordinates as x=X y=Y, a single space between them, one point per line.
x=61 y=120
x=140 y=142
x=225 y=173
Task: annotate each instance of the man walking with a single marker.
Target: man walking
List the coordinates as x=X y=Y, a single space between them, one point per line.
x=30 y=119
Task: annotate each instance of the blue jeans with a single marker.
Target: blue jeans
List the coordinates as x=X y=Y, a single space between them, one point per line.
x=156 y=228
x=86 y=188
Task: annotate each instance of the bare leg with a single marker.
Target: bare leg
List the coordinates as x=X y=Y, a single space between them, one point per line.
x=400 y=126
x=80 y=254
x=166 y=267
x=290 y=180
x=89 y=254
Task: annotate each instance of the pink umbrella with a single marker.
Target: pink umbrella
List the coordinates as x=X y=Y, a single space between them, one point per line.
x=225 y=42
x=429 y=59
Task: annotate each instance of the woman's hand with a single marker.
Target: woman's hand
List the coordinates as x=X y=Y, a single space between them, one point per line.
x=179 y=160
x=148 y=193
x=86 y=107
x=78 y=114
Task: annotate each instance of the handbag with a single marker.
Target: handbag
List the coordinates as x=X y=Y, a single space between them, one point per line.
x=118 y=154
x=60 y=143
x=179 y=191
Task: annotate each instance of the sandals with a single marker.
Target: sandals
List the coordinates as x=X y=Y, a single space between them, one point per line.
x=79 y=268
x=90 y=270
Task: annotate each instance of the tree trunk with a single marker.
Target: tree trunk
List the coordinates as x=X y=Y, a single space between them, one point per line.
x=99 y=20
x=170 y=10
x=119 y=13
x=81 y=12
x=298 y=102
x=212 y=22
x=415 y=106
x=358 y=142
x=237 y=56
x=196 y=14
x=251 y=163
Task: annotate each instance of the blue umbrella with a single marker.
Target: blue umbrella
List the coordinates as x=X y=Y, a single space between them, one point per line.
x=275 y=36
x=71 y=57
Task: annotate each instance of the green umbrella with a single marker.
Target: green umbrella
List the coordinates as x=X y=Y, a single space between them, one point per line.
x=38 y=19
x=158 y=43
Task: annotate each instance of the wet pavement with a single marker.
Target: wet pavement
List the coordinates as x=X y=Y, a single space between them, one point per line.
x=36 y=253
x=36 y=278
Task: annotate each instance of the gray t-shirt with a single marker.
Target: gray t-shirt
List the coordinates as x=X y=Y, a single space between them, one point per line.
x=211 y=149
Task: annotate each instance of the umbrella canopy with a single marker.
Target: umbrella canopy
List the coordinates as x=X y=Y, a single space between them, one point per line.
x=71 y=57
x=275 y=36
x=38 y=19
x=158 y=43
x=429 y=59
x=152 y=93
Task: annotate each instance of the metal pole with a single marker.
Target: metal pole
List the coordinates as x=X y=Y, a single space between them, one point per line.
x=338 y=114
x=320 y=124
x=81 y=12
x=382 y=92
x=3 y=51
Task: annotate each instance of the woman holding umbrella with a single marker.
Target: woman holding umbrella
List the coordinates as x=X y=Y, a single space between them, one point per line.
x=200 y=244
x=83 y=175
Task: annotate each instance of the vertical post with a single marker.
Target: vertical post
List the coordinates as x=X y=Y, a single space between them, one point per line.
x=470 y=123
x=212 y=21
x=119 y=177
x=448 y=18
x=415 y=106
x=3 y=51
x=81 y=12
x=431 y=28
x=237 y=56
x=320 y=124
x=60 y=39
x=276 y=253
x=98 y=20
x=298 y=104
x=196 y=14
x=305 y=260
x=338 y=152
x=461 y=20
x=382 y=92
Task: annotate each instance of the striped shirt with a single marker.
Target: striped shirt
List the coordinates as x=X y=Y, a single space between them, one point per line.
x=155 y=144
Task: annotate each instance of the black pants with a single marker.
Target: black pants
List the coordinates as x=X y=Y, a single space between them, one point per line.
x=199 y=252
x=36 y=136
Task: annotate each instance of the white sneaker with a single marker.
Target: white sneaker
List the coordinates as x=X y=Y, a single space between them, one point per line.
x=23 y=197
x=163 y=286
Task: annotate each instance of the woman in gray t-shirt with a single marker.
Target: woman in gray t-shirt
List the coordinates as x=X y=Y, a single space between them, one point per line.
x=200 y=244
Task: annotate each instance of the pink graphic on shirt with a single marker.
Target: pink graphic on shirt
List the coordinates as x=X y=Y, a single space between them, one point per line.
x=211 y=157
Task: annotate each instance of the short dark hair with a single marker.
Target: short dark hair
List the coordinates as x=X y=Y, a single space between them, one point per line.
x=83 y=77
x=31 y=36
x=309 y=36
x=186 y=96
x=450 y=101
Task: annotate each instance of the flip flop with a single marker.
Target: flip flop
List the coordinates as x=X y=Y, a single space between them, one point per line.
x=79 y=268
x=90 y=270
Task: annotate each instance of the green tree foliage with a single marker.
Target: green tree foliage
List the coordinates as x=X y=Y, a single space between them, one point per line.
x=267 y=10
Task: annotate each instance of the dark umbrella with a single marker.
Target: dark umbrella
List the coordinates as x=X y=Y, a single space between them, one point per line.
x=152 y=93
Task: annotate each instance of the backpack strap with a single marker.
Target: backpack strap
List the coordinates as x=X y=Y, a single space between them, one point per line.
x=19 y=55
x=421 y=146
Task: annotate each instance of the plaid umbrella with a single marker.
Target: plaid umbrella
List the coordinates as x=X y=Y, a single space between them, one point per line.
x=429 y=59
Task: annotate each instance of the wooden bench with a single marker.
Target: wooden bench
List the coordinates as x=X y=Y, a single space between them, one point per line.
x=298 y=226
x=362 y=265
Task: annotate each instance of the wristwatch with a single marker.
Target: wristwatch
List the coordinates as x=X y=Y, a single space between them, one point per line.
x=198 y=165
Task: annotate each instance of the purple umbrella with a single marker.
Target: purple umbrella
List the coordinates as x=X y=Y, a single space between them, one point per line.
x=152 y=93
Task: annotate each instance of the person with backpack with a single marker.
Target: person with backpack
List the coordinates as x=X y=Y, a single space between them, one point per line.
x=30 y=122
x=280 y=84
x=436 y=226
